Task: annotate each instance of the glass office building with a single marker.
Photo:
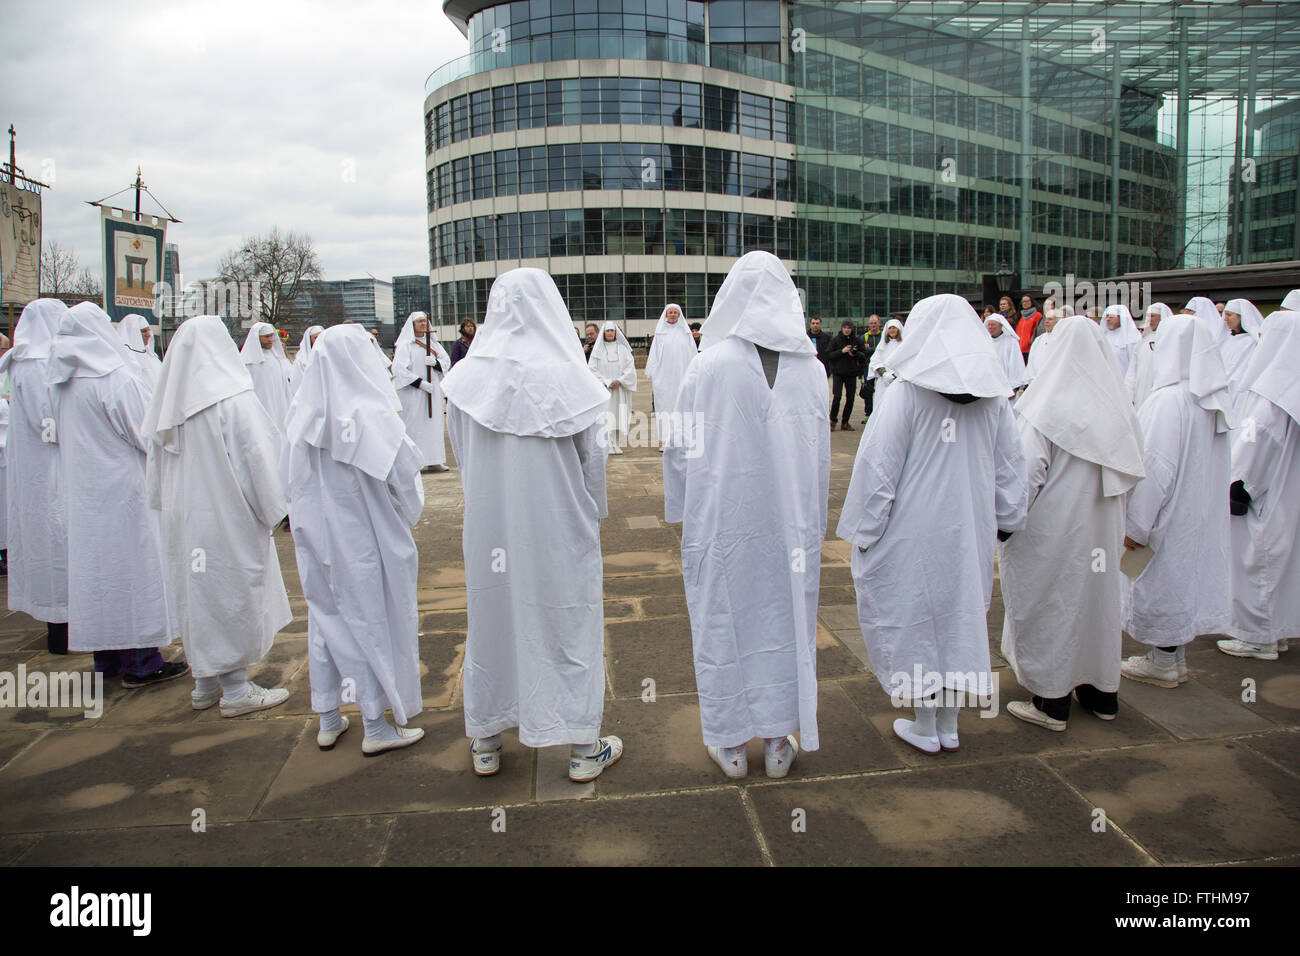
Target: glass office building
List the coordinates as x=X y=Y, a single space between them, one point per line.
x=884 y=150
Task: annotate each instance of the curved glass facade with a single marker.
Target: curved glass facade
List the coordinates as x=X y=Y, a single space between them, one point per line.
x=884 y=154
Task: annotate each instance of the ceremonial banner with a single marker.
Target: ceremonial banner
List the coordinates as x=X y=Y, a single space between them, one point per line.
x=133 y=261
x=20 y=245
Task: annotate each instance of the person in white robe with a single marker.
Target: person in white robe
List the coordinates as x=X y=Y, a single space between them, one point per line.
x=1291 y=301
x=612 y=362
x=36 y=534
x=299 y=367
x=751 y=414
x=1138 y=378
x=1244 y=324
x=1179 y=510
x=891 y=337
x=355 y=492
x=1121 y=334
x=4 y=486
x=1265 y=497
x=142 y=348
x=213 y=471
x=1041 y=343
x=1007 y=346
x=526 y=421
x=263 y=353
x=938 y=473
x=419 y=365
x=115 y=547
x=1061 y=577
x=670 y=355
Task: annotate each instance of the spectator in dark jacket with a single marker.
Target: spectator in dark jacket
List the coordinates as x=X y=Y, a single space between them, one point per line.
x=461 y=345
x=593 y=335
x=821 y=341
x=846 y=358
x=868 y=391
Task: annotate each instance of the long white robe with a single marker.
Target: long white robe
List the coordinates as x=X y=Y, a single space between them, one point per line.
x=36 y=532
x=748 y=481
x=613 y=362
x=1038 y=350
x=4 y=473
x=218 y=486
x=271 y=384
x=1181 y=510
x=671 y=353
x=1141 y=369
x=533 y=577
x=1007 y=346
x=1238 y=350
x=425 y=429
x=927 y=510
x=877 y=369
x=1265 y=563
x=119 y=593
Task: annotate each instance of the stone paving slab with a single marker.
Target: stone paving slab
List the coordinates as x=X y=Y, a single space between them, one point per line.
x=1006 y=813
x=705 y=828
x=1192 y=802
x=350 y=841
x=659 y=649
x=1191 y=710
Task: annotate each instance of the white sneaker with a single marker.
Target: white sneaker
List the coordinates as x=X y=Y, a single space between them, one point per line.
x=778 y=762
x=1145 y=670
x=736 y=768
x=254 y=699
x=326 y=739
x=949 y=742
x=615 y=450
x=373 y=746
x=1182 y=670
x=1260 y=652
x=905 y=729
x=485 y=762
x=1026 y=711
x=1284 y=644
x=608 y=750
x=204 y=701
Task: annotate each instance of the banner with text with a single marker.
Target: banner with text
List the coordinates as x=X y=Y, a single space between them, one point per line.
x=20 y=244
x=133 y=261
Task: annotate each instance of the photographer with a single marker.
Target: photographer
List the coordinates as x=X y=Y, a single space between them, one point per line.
x=846 y=359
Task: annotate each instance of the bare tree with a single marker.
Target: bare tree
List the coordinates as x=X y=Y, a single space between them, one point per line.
x=276 y=265
x=58 y=269
x=87 y=283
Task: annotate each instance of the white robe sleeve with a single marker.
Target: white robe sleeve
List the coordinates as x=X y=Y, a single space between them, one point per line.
x=153 y=477
x=253 y=446
x=126 y=411
x=1152 y=493
x=652 y=362
x=1257 y=446
x=627 y=370
x=677 y=446
x=1038 y=457
x=591 y=453
x=405 y=487
x=879 y=464
x=1012 y=497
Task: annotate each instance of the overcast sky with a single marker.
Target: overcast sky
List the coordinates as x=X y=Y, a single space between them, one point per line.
x=243 y=115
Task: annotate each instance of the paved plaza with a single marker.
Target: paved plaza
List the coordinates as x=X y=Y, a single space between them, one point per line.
x=1188 y=776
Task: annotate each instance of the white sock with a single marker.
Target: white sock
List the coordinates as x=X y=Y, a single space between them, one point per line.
x=206 y=685
x=331 y=721
x=1181 y=652
x=924 y=721
x=1164 y=659
x=584 y=750
x=484 y=744
x=380 y=728
x=234 y=684
x=773 y=744
x=946 y=720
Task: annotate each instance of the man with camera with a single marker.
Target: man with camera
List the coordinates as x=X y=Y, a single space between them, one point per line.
x=846 y=360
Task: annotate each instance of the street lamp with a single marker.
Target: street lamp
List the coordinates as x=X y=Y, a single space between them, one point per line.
x=1005 y=277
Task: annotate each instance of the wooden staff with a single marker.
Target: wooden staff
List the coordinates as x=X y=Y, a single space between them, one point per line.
x=428 y=369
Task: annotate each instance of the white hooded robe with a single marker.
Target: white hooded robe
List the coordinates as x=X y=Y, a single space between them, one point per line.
x=300 y=361
x=36 y=532
x=1061 y=579
x=422 y=412
x=1138 y=378
x=119 y=591
x=671 y=353
x=879 y=367
x=1007 y=346
x=214 y=474
x=524 y=418
x=1181 y=508
x=355 y=492
x=613 y=362
x=1265 y=562
x=1124 y=340
x=143 y=359
x=1239 y=348
x=747 y=474
x=933 y=482
x=269 y=369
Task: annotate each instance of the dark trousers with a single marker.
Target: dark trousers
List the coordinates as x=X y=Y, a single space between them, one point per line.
x=56 y=638
x=868 y=397
x=1098 y=701
x=845 y=383
x=136 y=662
